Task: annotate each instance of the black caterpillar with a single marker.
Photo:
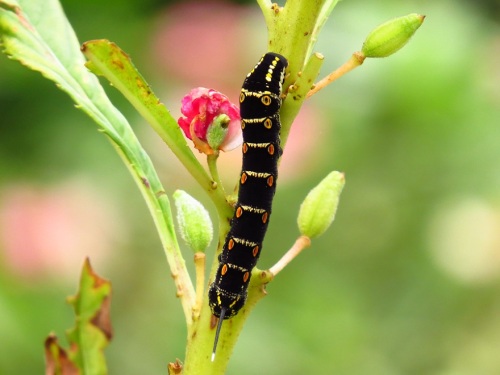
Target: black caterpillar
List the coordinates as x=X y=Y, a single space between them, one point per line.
x=260 y=102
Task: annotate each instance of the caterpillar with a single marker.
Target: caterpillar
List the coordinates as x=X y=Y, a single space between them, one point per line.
x=260 y=103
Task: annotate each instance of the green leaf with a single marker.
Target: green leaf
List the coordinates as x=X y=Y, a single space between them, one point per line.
x=57 y=361
x=92 y=331
x=108 y=60
x=38 y=35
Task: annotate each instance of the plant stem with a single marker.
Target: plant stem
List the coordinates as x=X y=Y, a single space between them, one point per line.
x=297 y=94
x=357 y=58
x=199 y=262
x=300 y=244
x=214 y=172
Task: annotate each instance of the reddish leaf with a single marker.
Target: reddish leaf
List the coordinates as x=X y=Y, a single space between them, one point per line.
x=57 y=361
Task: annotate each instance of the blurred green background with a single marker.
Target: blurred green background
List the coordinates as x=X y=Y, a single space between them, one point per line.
x=407 y=280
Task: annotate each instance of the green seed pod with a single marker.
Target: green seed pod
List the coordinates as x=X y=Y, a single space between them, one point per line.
x=391 y=35
x=318 y=209
x=216 y=132
x=194 y=222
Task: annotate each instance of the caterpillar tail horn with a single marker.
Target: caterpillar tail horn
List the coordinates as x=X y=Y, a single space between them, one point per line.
x=217 y=331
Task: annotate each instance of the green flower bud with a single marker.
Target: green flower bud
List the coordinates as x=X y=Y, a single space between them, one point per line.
x=391 y=35
x=318 y=209
x=216 y=132
x=194 y=222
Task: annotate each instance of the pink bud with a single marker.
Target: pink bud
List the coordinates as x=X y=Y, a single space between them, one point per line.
x=200 y=107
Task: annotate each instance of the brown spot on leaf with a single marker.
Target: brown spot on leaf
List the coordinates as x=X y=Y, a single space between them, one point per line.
x=101 y=318
x=56 y=358
x=118 y=64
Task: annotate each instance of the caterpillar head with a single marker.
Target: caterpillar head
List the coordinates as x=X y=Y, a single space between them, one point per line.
x=224 y=305
x=220 y=299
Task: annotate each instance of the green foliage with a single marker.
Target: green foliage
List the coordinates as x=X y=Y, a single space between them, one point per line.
x=51 y=47
x=91 y=333
x=405 y=152
x=92 y=330
x=108 y=60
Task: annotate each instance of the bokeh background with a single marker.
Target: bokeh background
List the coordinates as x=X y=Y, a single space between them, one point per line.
x=407 y=280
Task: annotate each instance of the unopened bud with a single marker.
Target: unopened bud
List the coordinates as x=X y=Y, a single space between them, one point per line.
x=391 y=35
x=318 y=209
x=194 y=221
x=217 y=131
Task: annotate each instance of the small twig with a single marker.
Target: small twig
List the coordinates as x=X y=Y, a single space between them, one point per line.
x=300 y=244
x=356 y=60
x=214 y=172
x=199 y=262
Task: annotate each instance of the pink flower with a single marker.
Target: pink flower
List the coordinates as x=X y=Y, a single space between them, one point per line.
x=200 y=107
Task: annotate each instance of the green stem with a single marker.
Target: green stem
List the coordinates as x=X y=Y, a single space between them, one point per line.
x=267 y=10
x=214 y=172
x=200 y=338
x=297 y=93
x=291 y=31
x=355 y=60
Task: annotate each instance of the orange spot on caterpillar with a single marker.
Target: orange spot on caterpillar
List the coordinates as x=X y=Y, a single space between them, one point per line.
x=255 y=251
x=268 y=124
x=270 y=149
x=270 y=181
x=223 y=271
x=246 y=276
x=245 y=148
x=230 y=244
x=264 y=217
x=243 y=178
x=239 y=212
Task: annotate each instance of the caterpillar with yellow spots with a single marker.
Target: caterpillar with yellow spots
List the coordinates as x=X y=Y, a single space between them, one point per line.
x=260 y=103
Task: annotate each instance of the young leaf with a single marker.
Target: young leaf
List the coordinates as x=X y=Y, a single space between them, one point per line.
x=57 y=361
x=92 y=331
